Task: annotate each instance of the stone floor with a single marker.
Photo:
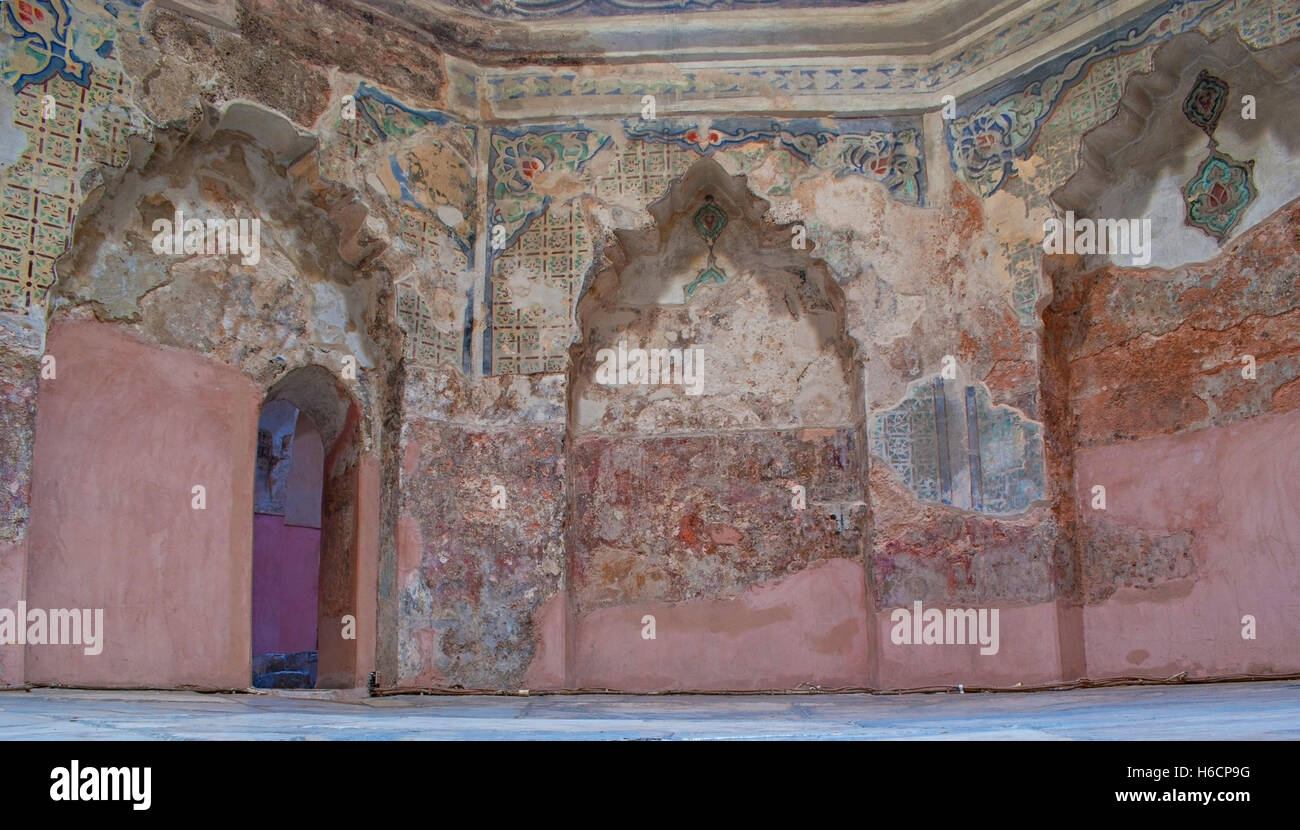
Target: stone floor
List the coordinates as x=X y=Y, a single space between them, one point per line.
x=1263 y=710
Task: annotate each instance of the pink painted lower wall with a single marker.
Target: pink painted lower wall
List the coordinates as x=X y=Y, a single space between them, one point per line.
x=1029 y=652
x=286 y=574
x=122 y=436
x=807 y=629
x=127 y=430
x=1237 y=489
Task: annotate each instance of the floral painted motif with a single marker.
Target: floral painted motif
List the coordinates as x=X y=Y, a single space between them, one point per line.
x=707 y=136
x=1204 y=104
x=390 y=117
x=1219 y=194
x=988 y=139
x=46 y=43
x=518 y=158
x=709 y=221
x=892 y=157
x=710 y=274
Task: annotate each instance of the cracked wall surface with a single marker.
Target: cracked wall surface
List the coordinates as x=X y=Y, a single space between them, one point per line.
x=454 y=239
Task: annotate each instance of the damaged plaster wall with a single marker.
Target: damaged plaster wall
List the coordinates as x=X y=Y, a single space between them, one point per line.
x=693 y=500
x=945 y=391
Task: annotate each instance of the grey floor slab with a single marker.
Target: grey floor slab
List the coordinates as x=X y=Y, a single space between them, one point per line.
x=1251 y=711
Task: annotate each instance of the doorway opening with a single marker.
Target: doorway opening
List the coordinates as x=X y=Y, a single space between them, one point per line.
x=286 y=547
x=304 y=534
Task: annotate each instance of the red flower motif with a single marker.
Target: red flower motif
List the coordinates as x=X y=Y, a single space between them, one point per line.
x=530 y=167
x=1217 y=197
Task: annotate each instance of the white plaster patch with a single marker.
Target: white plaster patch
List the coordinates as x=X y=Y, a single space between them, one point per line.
x=329 y=311
x=449 y=216
x=13 y=141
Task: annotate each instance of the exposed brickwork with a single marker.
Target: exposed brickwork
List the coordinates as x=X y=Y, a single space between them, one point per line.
x=675 y=518
x=469 y=593
x=1157 y=352
x=18 y=373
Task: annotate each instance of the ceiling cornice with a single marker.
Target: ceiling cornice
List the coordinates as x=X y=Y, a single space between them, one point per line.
x=763 y=32
x=978 y=55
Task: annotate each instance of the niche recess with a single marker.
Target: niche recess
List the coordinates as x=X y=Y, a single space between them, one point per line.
x=684 y=491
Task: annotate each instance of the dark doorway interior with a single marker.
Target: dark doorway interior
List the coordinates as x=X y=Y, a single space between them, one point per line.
x=286 y=548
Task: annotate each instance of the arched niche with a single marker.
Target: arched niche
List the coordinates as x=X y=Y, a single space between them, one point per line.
x=169 y=359
x=691 y=495
x=317 y=395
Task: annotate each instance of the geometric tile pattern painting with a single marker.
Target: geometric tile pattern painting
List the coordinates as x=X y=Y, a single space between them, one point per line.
x=1086 y=104
x=1010 y=454
x=907 y=438
x=533 y=282
x=550 y=259
x=42 y=190
x=424 y=233
x=349 y=141
x=427 y=343
x=641 y=172
x=555 y=251
x=1023 y=259
x=950 y=445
